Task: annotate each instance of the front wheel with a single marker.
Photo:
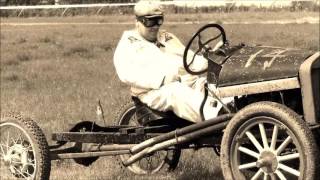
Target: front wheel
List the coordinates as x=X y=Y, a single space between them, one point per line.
x=266 y=140
x=24 y=152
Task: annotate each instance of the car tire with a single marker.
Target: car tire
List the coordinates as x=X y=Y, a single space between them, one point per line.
x=26 y=153
x=287 y=146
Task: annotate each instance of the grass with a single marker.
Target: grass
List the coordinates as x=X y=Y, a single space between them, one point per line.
x=56 y=74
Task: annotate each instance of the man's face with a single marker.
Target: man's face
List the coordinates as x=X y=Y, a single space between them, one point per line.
x=149 y=27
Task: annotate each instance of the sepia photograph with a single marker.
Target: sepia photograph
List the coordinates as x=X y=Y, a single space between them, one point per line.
x=159 y=89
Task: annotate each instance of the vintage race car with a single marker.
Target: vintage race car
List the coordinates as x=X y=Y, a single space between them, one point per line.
x=277 y=106
x=268 y=131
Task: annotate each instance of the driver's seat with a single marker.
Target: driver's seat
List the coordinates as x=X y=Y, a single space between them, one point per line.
x=150 y=117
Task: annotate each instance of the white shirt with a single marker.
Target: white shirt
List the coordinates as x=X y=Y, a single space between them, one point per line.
x=143 y=65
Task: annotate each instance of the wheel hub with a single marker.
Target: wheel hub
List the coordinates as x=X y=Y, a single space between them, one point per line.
x=267 y=162
x=17 y=158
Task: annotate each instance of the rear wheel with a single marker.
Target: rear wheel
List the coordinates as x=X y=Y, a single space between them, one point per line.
x=160 y=160
x=267 y=140
x=24 y=151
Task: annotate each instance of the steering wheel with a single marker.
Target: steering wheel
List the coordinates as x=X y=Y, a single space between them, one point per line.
x=202 y=46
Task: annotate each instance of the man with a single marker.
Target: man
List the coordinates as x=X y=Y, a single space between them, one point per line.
x=150 y=61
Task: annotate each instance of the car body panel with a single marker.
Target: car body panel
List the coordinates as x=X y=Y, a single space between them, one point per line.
x=252 y=64
x=258 y=87
x=309 y=75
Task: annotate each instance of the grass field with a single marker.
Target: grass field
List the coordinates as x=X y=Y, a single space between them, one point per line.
x=56 y=73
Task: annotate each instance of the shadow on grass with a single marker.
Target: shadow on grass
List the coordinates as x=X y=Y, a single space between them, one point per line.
x=200 y=173
x=200 y=164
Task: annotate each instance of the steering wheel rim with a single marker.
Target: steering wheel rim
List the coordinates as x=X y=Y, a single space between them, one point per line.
x=197 y=34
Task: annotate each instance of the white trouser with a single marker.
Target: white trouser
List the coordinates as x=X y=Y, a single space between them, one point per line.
x=183 y=100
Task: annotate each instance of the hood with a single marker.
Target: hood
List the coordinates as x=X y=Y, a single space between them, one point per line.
x=261 y=63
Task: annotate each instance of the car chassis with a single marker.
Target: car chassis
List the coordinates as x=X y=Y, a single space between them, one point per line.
x=268 y=132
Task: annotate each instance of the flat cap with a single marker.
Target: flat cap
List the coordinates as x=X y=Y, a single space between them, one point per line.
x=148 y=9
